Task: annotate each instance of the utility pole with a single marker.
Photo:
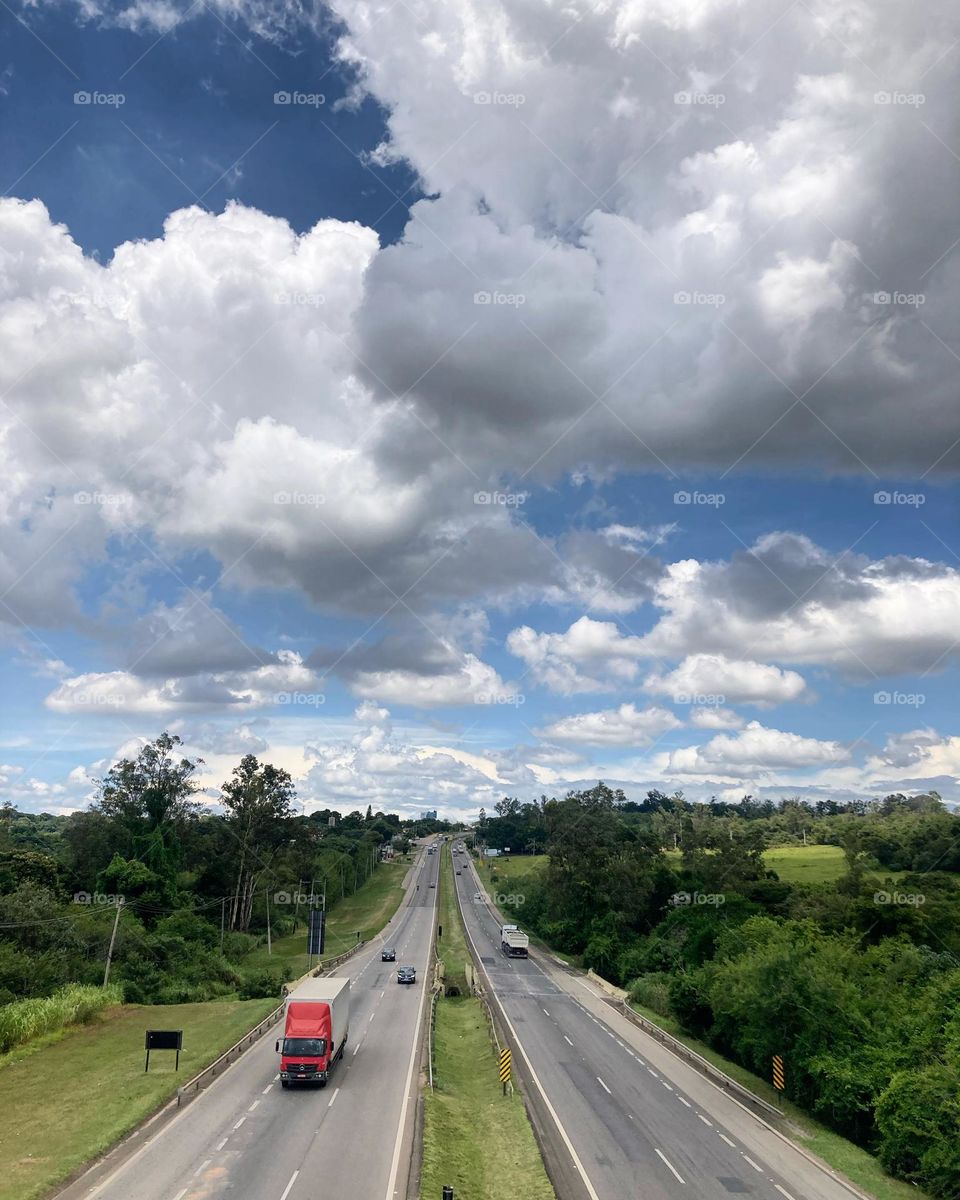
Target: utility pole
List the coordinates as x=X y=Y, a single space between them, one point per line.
x=223 y=915
x=113 y=936
x=269 y=944
x=296 y=910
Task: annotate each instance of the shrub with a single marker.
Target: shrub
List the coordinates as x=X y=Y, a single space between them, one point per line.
x=652 y=991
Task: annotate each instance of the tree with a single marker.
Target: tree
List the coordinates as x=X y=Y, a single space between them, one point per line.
x=258 y=800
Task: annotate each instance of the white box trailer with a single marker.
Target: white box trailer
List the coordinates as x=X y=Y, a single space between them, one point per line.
x=316 y=1022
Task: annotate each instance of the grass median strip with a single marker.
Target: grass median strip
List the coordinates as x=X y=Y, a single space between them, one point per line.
x=66 y=1102
x=475 y=1139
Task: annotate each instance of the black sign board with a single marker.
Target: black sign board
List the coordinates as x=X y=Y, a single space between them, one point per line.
x=315 y=937
x=163 y=1039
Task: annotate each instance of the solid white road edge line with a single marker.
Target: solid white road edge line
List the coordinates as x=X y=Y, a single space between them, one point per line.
x=286 y=1190
x=671 y=1166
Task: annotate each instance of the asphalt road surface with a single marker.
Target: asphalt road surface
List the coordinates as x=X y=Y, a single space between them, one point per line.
x=247 y=1138
x=632 y=1118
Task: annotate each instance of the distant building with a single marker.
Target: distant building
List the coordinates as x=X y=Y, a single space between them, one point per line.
x=429 y=815
x=332 y=820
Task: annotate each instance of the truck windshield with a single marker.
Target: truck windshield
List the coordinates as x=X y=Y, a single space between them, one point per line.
x=304 y=1047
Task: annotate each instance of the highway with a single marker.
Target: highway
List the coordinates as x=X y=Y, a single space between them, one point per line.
x=247 y=1138
x=628 y=1117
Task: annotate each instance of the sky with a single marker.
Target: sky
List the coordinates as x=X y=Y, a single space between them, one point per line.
x=449 y=401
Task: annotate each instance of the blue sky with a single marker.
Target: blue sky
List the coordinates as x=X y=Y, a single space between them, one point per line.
x=712 y=399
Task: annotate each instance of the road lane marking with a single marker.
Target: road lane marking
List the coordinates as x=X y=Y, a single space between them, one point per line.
x=567 y=1040
x=752 y=1163
x=203 y=1166
x=546 y=1012
x=221 y=1144
x=333 y=1097
x=239 y=1123
x=783 y=1191
x=604 y=1086
x=727 y=1140
x=666 y=1085
x=180 y=1195
x=671 y=1166
x=253 y=1106
x=266 y=1089
x=686 y=1102
x=704 y=1120
x=653 y=1073
x=286 y=1190
x=356 y=1049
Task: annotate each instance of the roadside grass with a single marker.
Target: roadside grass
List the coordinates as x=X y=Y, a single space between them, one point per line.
x=474 y=1139
x=64 y=1106
x=367 y=911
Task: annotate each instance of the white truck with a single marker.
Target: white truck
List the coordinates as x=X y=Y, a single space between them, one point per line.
x=514 y=943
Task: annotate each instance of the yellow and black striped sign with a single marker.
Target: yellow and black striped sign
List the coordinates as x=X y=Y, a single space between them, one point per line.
x=778 y=1072
x=505 y=1060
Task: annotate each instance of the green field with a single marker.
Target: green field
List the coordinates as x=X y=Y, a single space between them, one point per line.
x=467 y=1114
x=793 y=864
x=366 y=911
x=67 y=1100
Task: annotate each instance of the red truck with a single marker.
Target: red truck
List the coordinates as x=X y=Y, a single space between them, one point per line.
x=316 y=1021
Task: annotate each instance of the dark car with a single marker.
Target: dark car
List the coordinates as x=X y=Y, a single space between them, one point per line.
x=388 y=954
x=406 y=975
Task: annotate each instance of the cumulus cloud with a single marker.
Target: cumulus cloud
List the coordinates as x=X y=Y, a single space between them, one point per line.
x=112 y=692
x=586 y=658
x=755 y=748
x=623 y=726
x=722 y=679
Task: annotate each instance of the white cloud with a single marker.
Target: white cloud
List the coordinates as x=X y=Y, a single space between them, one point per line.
x=724 y=679
x=623 y=726
x=755 y=749
x=586 y=658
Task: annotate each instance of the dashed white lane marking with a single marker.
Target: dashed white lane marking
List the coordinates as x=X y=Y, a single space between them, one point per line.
x=783 y=1191
x=203 y=1166
x=222 y=1143
x=356 y=1049
x=604 y=1086
x=666 y=1085
x=239 y=1123
x=671 y=1166
x=333 y=1097
x=653 y=1073
x=724 y=1138
x=372 y=1015
x=704 y=1120
x=686 y=1102
x=752 y=1163
x=180 y=1195
x=253 y=1106
x=267 y=1089
x=567 y=1040
x=276 y=1077
x=546 y=1012
x=286 y=1190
